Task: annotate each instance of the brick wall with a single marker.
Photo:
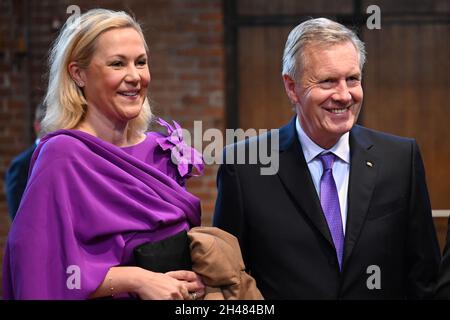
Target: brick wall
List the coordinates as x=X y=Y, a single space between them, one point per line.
x=14 y=94
x=187 y=67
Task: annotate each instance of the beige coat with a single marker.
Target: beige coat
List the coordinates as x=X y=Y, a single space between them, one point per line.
x=216 y=257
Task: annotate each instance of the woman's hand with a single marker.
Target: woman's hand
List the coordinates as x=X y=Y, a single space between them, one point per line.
x=159 y=286
x=148 y=285
x=193 y=282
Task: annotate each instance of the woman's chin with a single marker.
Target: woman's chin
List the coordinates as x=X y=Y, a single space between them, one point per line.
x=131 y=112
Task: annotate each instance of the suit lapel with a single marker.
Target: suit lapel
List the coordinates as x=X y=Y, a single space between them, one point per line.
x=295 y=176
x=363 y=171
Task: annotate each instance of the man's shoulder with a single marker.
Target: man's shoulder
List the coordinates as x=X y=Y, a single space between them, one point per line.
x=256 y=156
x=251 y=141
x=24 y=157
x=376 y=136
x=276 y=139
x=249 y=148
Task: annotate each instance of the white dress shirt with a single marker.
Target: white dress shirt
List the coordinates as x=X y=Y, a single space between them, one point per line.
x=341 y=166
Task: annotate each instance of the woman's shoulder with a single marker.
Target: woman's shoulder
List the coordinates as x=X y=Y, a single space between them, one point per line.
x=59 y=149
x=55 y=155
x=61 y=145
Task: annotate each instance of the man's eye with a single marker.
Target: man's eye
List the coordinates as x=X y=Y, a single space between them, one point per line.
x=327 y=83
x=353 y=80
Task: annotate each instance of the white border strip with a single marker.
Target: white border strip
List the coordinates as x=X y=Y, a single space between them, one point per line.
x=441 y=213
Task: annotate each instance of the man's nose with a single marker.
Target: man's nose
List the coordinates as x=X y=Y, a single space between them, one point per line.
x=342 y=93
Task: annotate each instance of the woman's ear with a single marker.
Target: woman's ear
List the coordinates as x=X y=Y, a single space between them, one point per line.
x=76 y=73
x=289 y=86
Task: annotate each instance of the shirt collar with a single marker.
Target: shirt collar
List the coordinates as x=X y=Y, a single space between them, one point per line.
x=311 y=150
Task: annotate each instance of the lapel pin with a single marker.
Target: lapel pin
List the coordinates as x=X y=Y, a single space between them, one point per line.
x=369 y=164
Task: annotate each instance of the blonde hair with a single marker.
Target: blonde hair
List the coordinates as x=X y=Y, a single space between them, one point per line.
x=66 y=105
x=320 y=31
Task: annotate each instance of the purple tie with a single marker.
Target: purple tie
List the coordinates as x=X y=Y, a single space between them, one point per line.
x=330 y=204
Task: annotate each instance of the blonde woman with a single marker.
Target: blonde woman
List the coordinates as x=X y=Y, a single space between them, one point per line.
x=99 y=184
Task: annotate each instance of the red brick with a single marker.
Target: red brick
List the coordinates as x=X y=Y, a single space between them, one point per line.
x=212 y=16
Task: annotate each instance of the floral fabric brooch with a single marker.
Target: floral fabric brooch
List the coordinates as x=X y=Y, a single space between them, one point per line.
x=183 y=156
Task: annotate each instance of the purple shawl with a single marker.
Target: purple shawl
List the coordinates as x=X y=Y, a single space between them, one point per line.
x=87 y=204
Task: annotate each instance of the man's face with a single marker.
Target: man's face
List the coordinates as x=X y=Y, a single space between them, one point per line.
x=328 y=95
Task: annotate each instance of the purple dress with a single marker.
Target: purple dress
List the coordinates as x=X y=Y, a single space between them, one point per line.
x=87 y=204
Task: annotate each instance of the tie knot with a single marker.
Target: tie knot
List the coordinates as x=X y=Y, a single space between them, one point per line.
x=327 y=160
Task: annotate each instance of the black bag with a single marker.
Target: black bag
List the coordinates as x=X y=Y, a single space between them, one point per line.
x=169 y=254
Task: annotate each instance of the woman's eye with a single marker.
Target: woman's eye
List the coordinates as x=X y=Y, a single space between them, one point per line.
x=116 y=64
x=142 y=62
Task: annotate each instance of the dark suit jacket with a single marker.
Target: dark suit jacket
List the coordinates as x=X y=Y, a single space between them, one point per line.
x=443 y=286
x=285 y=239
x=16 y=179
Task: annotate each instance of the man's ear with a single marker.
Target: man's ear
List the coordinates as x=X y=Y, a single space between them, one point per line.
x=289 y=86
x=76 y=73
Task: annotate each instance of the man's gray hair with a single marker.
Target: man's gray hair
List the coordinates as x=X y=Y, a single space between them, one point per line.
x=321 y=31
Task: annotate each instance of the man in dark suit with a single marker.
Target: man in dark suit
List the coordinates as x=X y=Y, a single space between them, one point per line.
x=347 y=215
x=17 y=174
x=443 y=285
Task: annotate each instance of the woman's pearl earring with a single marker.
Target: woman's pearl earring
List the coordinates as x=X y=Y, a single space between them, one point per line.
x=79 y=83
